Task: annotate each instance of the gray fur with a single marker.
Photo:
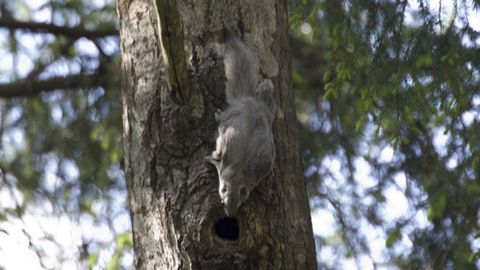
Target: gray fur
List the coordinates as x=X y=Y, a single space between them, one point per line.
x=241 y=71
x=245 y=150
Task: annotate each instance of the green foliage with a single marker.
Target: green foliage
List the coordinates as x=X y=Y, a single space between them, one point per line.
x=64 y=147
x=123 y=242
x=402 y=76
x=92 y=260
x=392 y=238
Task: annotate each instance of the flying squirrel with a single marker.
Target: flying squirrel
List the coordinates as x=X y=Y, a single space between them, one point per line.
x=245 y=151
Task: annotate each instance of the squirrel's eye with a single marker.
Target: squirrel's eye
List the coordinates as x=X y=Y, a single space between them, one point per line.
x=223 y=190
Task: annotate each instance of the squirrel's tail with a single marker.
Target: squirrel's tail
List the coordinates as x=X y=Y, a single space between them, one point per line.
x=241 y=71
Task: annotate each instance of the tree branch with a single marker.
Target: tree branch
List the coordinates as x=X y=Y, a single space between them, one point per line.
x=73 y=32
x=32 y=87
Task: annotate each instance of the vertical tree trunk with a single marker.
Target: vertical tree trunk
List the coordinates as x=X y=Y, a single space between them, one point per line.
x=178 y=221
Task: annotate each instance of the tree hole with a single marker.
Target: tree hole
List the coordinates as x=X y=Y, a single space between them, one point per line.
x=227 y=229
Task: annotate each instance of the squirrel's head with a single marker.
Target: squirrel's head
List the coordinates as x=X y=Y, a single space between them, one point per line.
x=233 y=186
x=233 y=194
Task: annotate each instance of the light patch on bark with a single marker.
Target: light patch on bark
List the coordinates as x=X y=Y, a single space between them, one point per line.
x=259 y=18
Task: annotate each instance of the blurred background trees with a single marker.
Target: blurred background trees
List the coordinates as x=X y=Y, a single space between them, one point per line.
x=388 y=104
x=60 y=126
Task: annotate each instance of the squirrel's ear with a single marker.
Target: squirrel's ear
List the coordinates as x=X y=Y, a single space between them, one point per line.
x=214 y=158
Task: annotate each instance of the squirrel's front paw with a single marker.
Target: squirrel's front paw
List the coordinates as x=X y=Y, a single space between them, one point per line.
x=265 y=86
x=216 y=156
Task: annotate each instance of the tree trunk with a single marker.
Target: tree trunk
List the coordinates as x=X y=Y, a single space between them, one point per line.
x=177 y=218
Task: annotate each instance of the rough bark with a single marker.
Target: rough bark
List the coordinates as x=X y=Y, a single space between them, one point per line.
x=178 y=222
